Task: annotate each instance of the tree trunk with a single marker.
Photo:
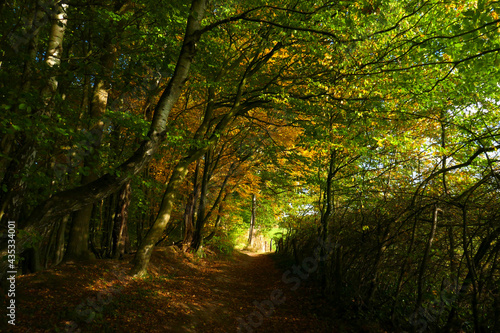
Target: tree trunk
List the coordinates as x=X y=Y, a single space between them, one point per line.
x=145 y=250
x=403 y=270
x=201 y=218
x=219 y=201
x=108 y=225
x=189 y=212
x=79 y=232
x=120 y=222
x=61 y=230
x=425 y=259
x=49 y=247
x=78 y=242
x=451 y=255
x=36 y=19
x=188 y=223
x=326 y=212
x=55 y=46
x=217 y=221
x=80 y=228
x=252 y=222
x=381 y=247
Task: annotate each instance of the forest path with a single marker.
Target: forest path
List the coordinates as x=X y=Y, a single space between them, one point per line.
x=248 y=295
x=184 y=294
x=256 y=299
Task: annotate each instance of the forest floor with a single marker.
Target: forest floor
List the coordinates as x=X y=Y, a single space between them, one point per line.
x=184 y=293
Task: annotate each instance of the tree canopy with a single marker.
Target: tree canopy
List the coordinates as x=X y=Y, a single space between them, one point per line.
x=371 y=124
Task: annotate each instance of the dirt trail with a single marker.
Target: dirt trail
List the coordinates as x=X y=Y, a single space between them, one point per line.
x=248 y=295
x=183 y=295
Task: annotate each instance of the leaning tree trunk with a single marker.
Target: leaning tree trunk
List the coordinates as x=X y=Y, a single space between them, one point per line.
x=145 y=250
